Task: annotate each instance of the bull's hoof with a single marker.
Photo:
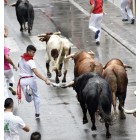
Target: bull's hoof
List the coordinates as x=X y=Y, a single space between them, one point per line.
x=108 y=135
x=29 y=31
x=57 y=81
x=64 y=81
x=21 y=29
x=93 y=128
x=122 y=116
x=49 y=75
x=85 y=121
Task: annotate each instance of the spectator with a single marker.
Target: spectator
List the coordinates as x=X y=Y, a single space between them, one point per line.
x=8 y=73
x=12 y=123
x=35 y=136
x=27 y=69
x=126 y=11
x=96 y=15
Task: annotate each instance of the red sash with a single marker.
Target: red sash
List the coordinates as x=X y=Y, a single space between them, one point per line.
x=19 y=87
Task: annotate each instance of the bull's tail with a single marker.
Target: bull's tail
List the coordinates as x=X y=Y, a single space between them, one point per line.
x=30 y=16
x=103 y=101
x=27 y=4
x=104 y=116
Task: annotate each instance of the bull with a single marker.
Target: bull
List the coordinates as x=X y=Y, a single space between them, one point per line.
x=24 y=13
x=115 y=74
x=85 y=62
x=57 y=48
x=94 y=94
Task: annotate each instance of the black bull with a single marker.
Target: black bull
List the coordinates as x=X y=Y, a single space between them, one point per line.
x=24 y=13
x=94 y=94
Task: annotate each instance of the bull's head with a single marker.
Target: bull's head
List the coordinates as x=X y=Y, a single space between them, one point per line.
x=46 y=37
x=18 y=2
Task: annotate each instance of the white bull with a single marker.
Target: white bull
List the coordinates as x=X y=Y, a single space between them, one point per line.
x=57 y=48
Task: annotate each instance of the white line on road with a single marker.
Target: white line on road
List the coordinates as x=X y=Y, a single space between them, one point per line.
x=79 y=7
x=11 y=44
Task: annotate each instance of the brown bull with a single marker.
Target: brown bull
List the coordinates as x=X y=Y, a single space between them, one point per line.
x=115 y=74
x=84 y=62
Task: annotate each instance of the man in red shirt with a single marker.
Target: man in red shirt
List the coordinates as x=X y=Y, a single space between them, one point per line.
x=96 y=14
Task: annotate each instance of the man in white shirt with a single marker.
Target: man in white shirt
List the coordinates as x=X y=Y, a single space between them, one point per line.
x=11 y=122
x=27 y=81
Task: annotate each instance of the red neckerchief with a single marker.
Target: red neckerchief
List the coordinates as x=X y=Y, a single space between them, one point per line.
x=26 y=56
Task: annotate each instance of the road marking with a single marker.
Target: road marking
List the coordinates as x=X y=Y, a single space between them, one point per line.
x=11 y=44
x=37 y=43
x=79 y=7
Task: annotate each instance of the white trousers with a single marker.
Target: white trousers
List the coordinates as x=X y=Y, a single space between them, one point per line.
x=35 y=95
x=95 y=23
x=9 y=77
x=125 y=10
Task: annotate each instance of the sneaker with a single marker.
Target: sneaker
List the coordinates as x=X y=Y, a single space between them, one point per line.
x=12 y=91
x=11 y=84
x=97 y=43
x=132 y=21
x=96 y=34
x=124 y=19
x=37 y=116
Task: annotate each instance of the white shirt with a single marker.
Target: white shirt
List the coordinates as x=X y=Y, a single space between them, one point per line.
x=25 y=67
x=11 y=125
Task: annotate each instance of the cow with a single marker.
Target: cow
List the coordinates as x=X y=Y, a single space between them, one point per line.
x=115 y=74
x=94 y=94
x=57 y=48
x=24 y=13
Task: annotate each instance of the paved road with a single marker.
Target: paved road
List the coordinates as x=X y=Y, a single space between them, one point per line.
x=61 y=116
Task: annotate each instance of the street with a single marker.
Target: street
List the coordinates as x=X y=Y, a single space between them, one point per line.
x=61 y=114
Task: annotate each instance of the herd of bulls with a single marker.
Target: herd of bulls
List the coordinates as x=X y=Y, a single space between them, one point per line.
x=97 y=86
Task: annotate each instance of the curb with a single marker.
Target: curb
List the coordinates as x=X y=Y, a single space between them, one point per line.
x=107 y=30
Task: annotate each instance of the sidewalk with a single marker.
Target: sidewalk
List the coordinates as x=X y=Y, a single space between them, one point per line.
x=123 y=32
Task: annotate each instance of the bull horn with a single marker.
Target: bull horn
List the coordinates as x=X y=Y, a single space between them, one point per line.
x=129 y=111
x=42 y=35
x=14 y=4
x=127 y=66
x=69 y=56
x=57 y=33
x=91 y=53
x=70 y=84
